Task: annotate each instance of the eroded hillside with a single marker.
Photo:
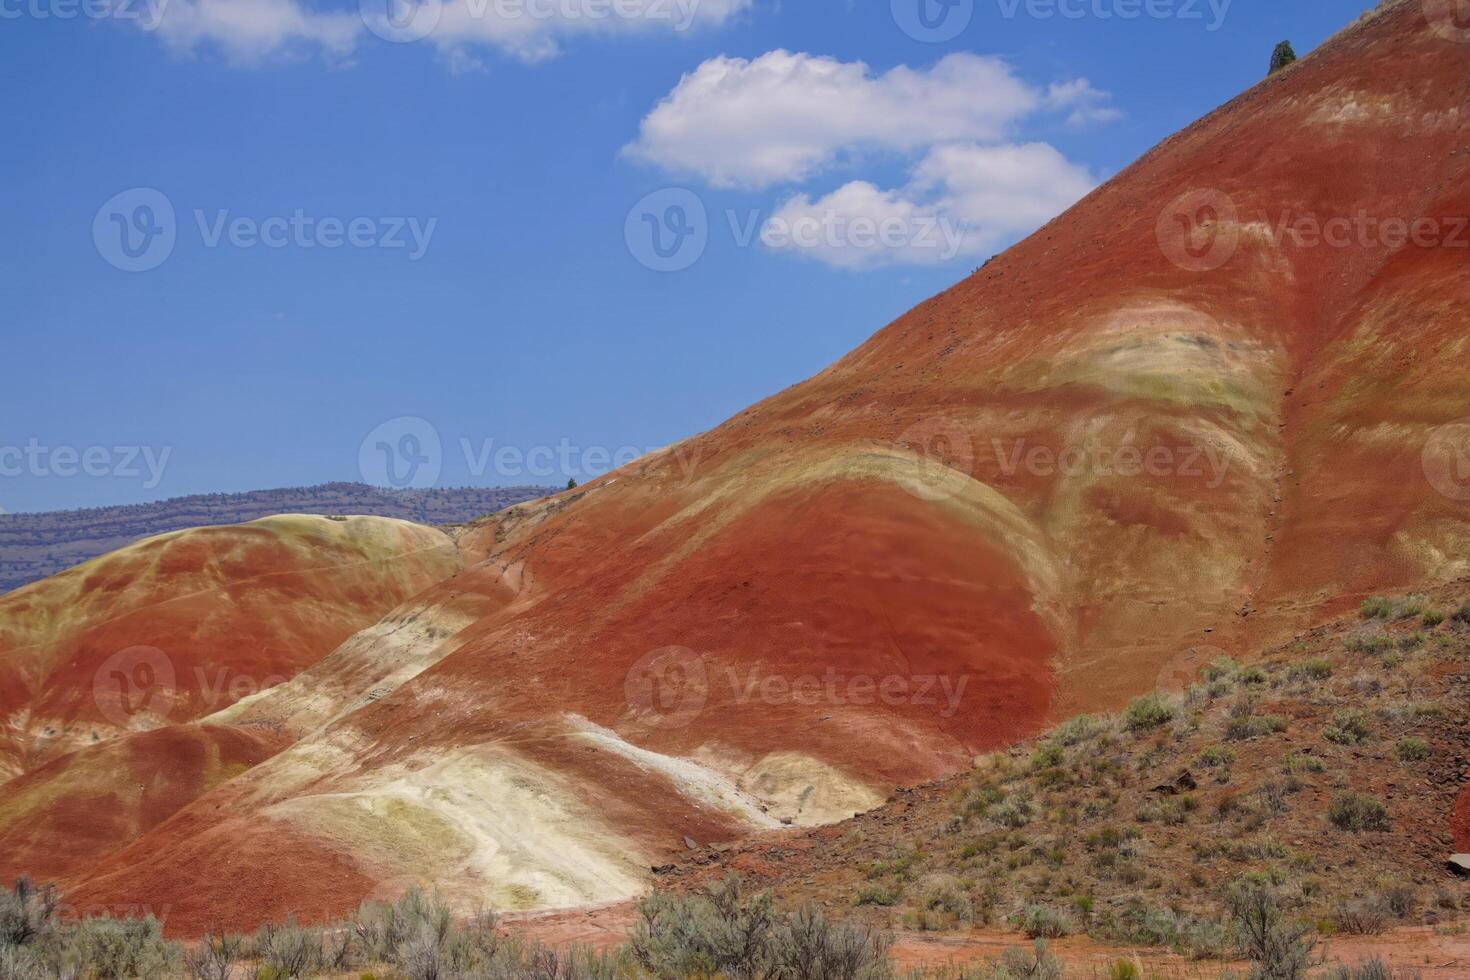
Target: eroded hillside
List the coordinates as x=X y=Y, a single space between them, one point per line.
x=1170 y=426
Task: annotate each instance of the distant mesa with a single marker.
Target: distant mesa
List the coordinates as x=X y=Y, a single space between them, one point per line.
x=36 y=546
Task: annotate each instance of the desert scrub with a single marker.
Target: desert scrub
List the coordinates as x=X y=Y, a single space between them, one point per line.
x=1244 y=729
x=1164 y=928
x=1309 y=671
x=1048 y=757
x=1348 y=727
x=1357 y=814
x=1019 y=964
x=1410 y=606
x=943 y=903
x=1015 y=812
x=1148 y=713
x=27 y=913
x=1079 y=730
x=1462 y=615
x=1215 y=757
x=727 y=932
x=1362 y=916
x=1370 y=645
x=904 y=866
x=1411 y=749
x=1278 y=949
x=1043 y=922
x=885 y=896
x=1221 y=668
x=1301 y=763
x=1377 y=607
x=1372 y=968
x=1433 y=617
x=34 y=944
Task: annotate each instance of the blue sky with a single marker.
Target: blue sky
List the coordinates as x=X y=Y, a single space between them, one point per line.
x=490 y=175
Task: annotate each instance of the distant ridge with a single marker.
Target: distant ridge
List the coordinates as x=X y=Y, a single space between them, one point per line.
x=34 y=546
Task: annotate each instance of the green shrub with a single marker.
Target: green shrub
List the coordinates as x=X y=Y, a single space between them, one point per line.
x=1015 y=812
x=1362 y=917
x=1019 y=964
x=1401 y=898
x=1357 y=814
x=1410 y=606
x=1277 y=949
x=945 y=895
x=1412 y=749
x=118 y=949
x=1149 y=712
x=1377 y=607
x=1254 y=677
x=1124 y=970
x=885 y=896
x=289 y=949
x=26 y=912
x=1243 y=729
x=1041 y=922
x=1348 y=727
x=1433 y=617
x=1221 y=668
x=1283 y=56
x=1370 y=645
x=1372 y=968
x=1216 y=757
x=1296 y=763
x=213 y=957
x=1076 y=731
x=727 y=932
x=1309 y=670
x=1048 y=756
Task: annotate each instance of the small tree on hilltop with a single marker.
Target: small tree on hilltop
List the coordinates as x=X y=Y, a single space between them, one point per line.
x=1284 y=55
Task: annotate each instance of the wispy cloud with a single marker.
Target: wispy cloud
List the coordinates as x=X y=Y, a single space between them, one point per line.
x=254 y=32
x=787 y=118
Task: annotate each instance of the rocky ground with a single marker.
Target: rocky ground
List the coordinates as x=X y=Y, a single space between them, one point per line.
x=1131 y=828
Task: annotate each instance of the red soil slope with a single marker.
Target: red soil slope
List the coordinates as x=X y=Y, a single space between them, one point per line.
x=869 y=577
x=82 y=806
x=184 y=624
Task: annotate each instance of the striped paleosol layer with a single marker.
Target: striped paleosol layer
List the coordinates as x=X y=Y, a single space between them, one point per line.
x=1154 y=432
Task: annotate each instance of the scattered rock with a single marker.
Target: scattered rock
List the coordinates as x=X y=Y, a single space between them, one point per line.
x=1182 y=783
x=1459 y=864
x=689 y=843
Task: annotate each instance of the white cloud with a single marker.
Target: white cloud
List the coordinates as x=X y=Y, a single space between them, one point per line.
x=251 y=31
x=785 y=116
x=246 y=31
x=1088 y=105
x=962 y=200
x=532 y=30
